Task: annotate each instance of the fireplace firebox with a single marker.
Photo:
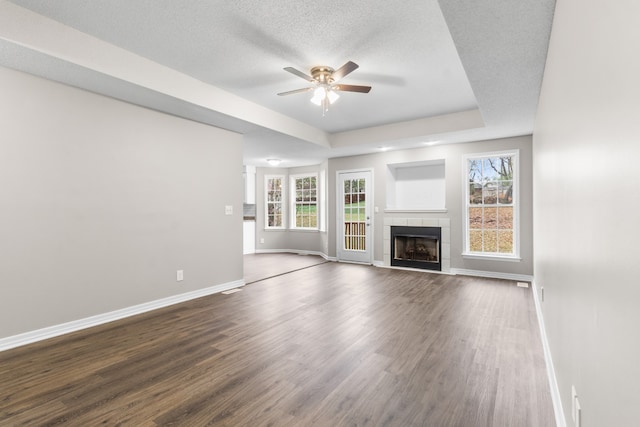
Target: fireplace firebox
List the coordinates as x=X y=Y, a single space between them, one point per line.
x=416 y=247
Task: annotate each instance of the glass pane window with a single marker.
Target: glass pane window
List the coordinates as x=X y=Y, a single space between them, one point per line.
x=491 y=204
x=305 y=202
x=273 y=199
x=355 y=215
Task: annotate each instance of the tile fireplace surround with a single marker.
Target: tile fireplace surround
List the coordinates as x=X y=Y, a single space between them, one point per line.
x=445 y=240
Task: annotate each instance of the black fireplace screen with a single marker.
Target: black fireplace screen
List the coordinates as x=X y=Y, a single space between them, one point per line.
x=417 y=247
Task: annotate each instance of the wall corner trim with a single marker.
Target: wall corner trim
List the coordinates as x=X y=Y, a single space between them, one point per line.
x=551 y=373
x=88 y=322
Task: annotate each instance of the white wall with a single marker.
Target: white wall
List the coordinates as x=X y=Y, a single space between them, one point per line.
x=102 y=201
x=587 y=207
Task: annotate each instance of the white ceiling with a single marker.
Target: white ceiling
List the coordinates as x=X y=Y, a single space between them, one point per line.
x=449 y=71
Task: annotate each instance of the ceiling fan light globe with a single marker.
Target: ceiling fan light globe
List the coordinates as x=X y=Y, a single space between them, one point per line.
x=318 y=95
x=333 y=96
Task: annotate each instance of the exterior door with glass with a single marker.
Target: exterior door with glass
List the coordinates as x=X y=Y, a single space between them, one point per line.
x=355 y=243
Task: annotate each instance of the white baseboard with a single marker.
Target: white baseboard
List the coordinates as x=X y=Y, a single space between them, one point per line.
x=551 y=373
x=417 y=270
x=295 y=251
x=353 y=262
x=76 y=325
x=492 y=274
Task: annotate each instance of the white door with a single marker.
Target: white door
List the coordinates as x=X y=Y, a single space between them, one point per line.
x=354 y=218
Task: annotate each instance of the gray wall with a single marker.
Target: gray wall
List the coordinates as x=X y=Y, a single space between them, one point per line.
x=102 y=201
x=284 y=240
x=587 y=204
x=453 y=156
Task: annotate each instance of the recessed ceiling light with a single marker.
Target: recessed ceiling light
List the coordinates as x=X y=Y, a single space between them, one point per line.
x=383 y=148
x=429 y=143
x=274 y=162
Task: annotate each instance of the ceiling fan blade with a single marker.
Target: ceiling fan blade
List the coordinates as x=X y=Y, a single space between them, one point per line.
x=352 y=88
x=344 y=70
x=299 y=73
x=291 y=92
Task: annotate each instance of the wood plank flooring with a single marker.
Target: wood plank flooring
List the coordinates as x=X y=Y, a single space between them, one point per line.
x=329 y=345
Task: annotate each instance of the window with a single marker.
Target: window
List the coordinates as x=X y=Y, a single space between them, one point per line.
x=304 y=202
x=491 y=212
x=274 y=198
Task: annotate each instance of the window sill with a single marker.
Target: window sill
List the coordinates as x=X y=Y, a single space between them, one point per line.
x=508 y=258
x=305 y=230
x=393 y=210
x=302 y=230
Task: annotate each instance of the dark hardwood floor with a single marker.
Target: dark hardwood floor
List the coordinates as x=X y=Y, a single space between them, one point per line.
x=328 y=345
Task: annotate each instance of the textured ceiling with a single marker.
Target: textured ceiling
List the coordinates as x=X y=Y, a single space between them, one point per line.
x=425 y=61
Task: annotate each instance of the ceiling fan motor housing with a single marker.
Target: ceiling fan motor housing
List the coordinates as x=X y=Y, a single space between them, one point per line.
x=322 y=74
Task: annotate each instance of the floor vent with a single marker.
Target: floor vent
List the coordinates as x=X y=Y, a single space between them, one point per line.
x=522 y=284
x=231 y=291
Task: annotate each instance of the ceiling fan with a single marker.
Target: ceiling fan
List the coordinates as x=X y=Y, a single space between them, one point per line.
x=325 y=83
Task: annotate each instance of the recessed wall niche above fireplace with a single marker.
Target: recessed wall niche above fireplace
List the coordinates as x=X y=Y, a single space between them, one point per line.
x=416 y=186
x=416 y=247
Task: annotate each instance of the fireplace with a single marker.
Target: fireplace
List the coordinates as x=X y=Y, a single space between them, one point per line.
x=416 y=247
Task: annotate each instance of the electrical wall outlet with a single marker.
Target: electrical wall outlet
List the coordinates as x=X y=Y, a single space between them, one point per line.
x=262 y=240
x=180 y=275
x=228 y=210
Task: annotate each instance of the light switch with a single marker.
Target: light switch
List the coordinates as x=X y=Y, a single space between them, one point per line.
x=228 y=210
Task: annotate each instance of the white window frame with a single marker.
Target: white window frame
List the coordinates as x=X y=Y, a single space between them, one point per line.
x=283 y=204
x=292 y=201
x=322 y=200
x=515 y=256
